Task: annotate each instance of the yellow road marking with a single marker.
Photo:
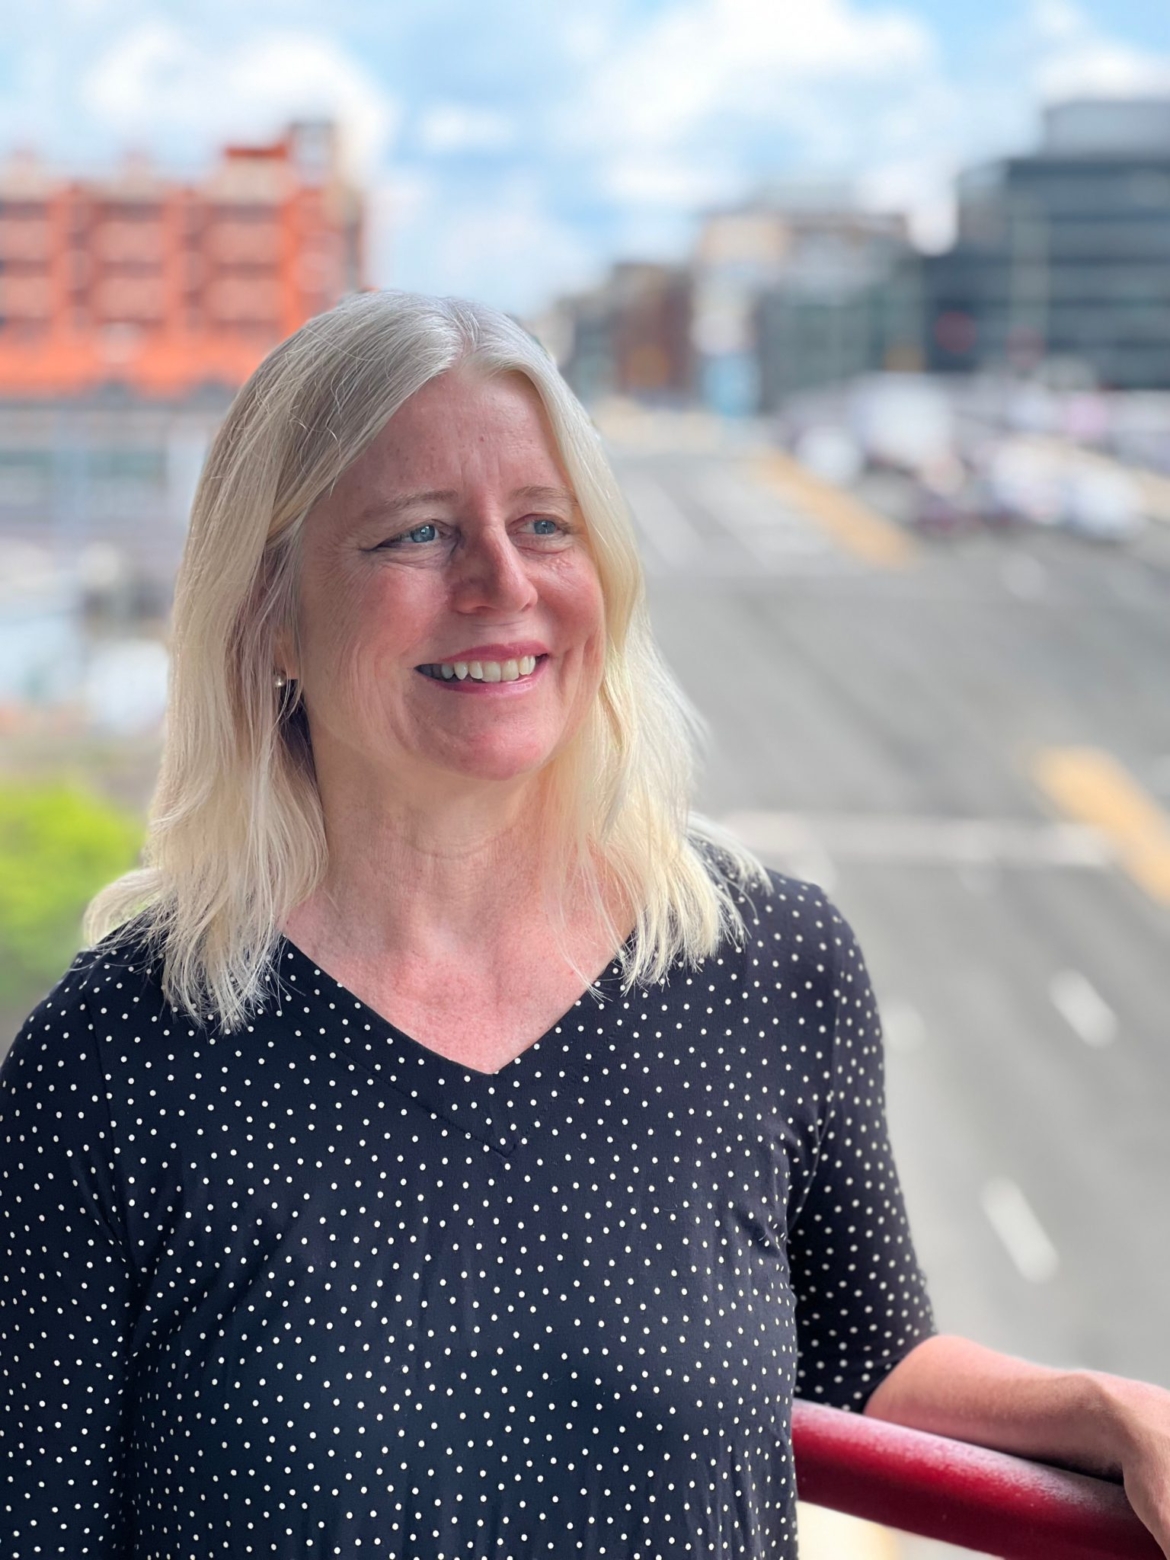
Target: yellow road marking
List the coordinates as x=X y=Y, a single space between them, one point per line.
x=852 y=524
x=1091 y=786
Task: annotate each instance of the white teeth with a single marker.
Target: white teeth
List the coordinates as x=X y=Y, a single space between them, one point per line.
x=487 y=671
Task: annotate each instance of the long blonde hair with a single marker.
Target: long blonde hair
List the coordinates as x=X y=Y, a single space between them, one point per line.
x=236 y=834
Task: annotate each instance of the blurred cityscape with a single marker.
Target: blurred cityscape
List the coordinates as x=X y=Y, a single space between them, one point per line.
x=132 y=307
x=906 y=522
x=1023 y=376
x=1058 y=273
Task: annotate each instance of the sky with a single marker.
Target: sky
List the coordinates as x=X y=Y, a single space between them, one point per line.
x=511 y=150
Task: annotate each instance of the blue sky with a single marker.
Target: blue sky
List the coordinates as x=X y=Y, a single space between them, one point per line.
x=512 y=148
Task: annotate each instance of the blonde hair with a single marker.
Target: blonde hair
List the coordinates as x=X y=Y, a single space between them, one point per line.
x=236 y=835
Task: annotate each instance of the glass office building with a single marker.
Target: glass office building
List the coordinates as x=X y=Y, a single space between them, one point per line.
x=1064 y=255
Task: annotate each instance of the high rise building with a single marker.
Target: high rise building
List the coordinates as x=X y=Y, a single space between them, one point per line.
x=163 y=286
x=1064 y=254
x=797 y=289
x=629 y=336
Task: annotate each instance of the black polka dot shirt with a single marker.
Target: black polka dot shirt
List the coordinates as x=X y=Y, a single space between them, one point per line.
x=311 y=1289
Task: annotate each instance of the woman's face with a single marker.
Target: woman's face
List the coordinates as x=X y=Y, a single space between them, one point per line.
x=451 y=623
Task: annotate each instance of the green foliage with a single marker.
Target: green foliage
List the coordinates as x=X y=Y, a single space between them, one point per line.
x=58 y=845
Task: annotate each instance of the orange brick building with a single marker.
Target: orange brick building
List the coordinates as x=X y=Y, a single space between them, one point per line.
x=162 y=286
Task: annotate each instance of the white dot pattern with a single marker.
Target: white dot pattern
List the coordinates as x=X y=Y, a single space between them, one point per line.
x=311 y=1289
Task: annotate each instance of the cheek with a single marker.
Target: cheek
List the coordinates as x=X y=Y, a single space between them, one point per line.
x=357 y=629
x=583 y=618
x=593 y=621
x=580 y=602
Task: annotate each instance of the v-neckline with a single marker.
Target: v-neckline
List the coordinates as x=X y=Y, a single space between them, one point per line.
x=477 y=1102
x=612 y=969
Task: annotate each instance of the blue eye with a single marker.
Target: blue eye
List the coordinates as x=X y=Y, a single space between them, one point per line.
x=422 y=533
x=553 y=527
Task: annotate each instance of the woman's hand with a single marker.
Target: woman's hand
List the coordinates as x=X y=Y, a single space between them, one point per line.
x=1087 y=1420
x=1140 y=1419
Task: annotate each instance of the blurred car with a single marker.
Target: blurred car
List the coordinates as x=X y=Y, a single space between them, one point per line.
x=1043 y=484
x=941 y=514
x=945 y=499
x=902 y=421
x=1102 y=504
x=1024 y=482
x=829 y=452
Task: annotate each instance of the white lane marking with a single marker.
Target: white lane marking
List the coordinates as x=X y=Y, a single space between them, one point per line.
x=903 y=1026
x=768 y=529
x=1020 y=1230
x=956 y=842
x=786 y=839
x=667 y=529
x=1085 y=1010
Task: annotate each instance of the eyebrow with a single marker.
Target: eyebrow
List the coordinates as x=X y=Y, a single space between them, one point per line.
x=386 y=509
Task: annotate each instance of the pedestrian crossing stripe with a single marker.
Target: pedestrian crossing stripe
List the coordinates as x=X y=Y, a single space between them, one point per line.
x=851 y=524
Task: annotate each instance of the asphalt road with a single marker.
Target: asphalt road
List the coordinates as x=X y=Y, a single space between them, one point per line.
x=880 y=727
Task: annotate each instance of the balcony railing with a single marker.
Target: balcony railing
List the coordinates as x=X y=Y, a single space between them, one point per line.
x=961 y=1494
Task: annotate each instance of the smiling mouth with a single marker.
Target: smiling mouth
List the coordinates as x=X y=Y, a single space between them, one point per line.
x=482 y=671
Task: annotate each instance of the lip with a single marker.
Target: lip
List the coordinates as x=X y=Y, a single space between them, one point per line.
x=499 y=652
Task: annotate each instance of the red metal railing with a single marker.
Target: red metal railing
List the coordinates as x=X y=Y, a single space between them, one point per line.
x=965 y=1495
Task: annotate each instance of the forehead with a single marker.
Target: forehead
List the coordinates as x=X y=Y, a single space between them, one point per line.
x=464 y=425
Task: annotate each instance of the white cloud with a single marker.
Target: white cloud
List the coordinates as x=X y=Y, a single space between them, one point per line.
x=1056 y=18
x=711 y=94
x=698 y=60
x=609 y=126
x=922 y=188
x=1062 y=52
x=1051 y=51
x=1101 y=67
x=454 y=127
x=509 y=251
x=658 y=180
x=711 y=97
x=586 y=37
x=158 y=78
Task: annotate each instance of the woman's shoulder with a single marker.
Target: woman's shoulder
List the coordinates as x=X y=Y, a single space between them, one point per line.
x=122 y=967
x=761 y=892
x=54 y=1080
x=781 y=915
x=796 y=916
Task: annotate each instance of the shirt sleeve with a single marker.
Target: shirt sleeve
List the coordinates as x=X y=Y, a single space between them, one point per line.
x=67 y=1294
x=861 y=1299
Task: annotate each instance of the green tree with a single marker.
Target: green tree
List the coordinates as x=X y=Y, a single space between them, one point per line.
x=59 y=844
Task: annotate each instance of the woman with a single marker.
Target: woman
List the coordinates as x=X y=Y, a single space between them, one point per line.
x=449 y=1148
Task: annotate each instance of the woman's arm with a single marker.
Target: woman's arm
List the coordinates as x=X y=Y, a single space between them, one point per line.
x=67 y=1295
x=1101 y=1424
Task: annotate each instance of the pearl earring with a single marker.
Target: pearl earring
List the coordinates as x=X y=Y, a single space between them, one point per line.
x=280 y=679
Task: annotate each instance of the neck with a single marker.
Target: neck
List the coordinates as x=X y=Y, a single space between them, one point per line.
x=461 y=872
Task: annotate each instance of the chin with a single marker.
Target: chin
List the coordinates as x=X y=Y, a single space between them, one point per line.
x=507 y=763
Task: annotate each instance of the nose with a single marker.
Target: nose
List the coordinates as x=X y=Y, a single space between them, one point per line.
x=491 y=574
